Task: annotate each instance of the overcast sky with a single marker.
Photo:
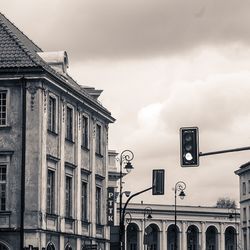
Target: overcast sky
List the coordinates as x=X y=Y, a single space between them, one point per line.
x=162 y=65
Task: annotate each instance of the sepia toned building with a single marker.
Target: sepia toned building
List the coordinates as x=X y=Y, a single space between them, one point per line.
x=153 y=226
x=197 y=228
x=244 y=175
x=53 y=151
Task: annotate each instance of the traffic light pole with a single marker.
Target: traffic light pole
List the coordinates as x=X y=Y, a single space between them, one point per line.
x=122 y=225
x=224 y=151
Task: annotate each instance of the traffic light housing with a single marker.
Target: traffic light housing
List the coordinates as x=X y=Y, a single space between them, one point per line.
x=189 y=151
x=158 y=181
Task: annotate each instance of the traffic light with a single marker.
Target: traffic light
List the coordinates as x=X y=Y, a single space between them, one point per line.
x=158 y=181
x=189 y=147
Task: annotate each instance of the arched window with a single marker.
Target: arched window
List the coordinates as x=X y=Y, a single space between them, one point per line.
x=173 y=237
x=3 y=247
x=230 y=238
x=153 y=237
x=192 y=238
x=50 y=246
x=132 y=236
x=68 y=247
x=212 y=238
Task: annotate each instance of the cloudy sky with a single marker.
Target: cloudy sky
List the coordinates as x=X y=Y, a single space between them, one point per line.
x=162 y=65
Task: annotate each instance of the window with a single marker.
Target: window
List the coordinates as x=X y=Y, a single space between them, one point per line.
x=51 y=192
x=3 y=108
x=244 y=189
x=69 y=124
x=84 y=195
x=249 y=186
x=68 y=196
x=68 y=247
x=50 y=246
x=98 y=205
x=52 y=114
x=244 y=214
x=3 y=247
x=85 y=132
x=3 y=184
x=98 y=139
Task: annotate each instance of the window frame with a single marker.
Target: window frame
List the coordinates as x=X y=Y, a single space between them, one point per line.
x=98 y=205
x=84 y=201
x=5 y=91
x=85 y=131
x=69 y=173
x=69 y=199
x=52 y=208
x=244 y=188
x=69 y=127
x=52 y=117
x=4 y=183
x=98 y=146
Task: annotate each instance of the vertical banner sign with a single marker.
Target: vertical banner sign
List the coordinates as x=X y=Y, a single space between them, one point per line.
x=110 y=206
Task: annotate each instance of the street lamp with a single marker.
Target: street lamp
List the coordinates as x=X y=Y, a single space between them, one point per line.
x=232 y=215
x=126 y=157
x=180 y=186
x=147 y=215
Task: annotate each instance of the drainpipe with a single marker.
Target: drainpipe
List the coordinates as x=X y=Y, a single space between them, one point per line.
x=23 y=86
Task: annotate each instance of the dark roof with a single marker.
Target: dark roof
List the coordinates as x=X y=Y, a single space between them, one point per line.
x=14 y=53
x=18 y=51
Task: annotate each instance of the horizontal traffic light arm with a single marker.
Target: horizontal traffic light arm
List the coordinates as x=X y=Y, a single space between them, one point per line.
x=224 y=151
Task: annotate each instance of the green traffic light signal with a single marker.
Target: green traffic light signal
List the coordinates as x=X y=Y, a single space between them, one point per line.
x=189 y=147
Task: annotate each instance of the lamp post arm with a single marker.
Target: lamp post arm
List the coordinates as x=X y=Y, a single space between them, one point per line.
x=130 y=198
x=124 y=210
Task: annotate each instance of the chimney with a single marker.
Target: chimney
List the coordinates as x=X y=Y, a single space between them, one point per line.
x=58 y=60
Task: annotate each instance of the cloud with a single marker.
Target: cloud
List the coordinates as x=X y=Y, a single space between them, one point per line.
x=115 y=30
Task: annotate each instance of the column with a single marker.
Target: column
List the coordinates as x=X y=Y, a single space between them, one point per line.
x=184 y=235
x=61 y=168
x=222 y=238
x=203 y=236
x=78 y=142
x=43 y=167
x=164 y=241
x=92 y=183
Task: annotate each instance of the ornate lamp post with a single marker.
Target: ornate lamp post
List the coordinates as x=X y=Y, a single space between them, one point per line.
x=180 y=186
x=126 y=157
x=147 y=215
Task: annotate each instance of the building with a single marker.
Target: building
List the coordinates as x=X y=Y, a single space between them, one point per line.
x=244 y=174
x=198 y=228
x=152 y=226
x=53 y=151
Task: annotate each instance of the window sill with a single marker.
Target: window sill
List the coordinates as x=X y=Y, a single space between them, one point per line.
x=69 y=141
x=69 y=219
x=99 y=226
x=53 y=216
x=5 y=127
x=85 y=148
x=99 y=155
x=85 y=222
x=52 y=132
x=3 y=212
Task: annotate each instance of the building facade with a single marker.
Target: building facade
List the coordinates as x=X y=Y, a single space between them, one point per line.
x=197 y=228
x=53 y=151
x=244 y=173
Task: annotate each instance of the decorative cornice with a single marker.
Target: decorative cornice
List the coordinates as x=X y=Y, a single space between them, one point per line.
x=32 y=89
x=52 y=158
x=6 y=152
x=86 y=171
x=69 y=164
x=100 y=177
